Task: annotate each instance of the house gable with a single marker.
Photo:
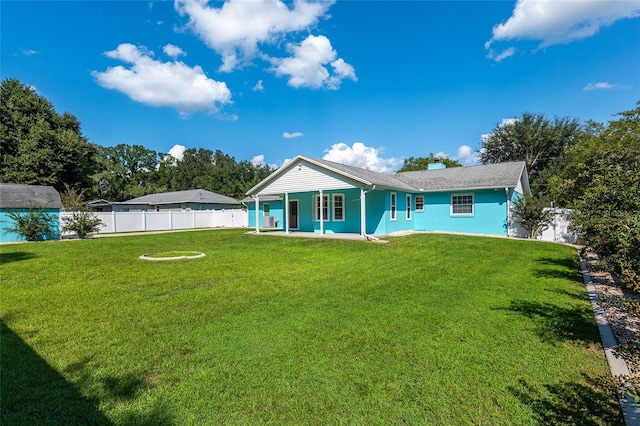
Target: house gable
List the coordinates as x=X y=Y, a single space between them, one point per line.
x=304 y=176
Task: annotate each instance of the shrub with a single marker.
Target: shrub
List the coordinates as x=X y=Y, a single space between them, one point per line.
x=608 y=220
x=33 y=225
x=81 y=223
x=532 y=214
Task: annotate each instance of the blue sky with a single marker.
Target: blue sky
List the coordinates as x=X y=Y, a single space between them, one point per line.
x=366 y=83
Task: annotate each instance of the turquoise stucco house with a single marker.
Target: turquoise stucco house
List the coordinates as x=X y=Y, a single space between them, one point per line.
x=320 y=196
x=20 y=198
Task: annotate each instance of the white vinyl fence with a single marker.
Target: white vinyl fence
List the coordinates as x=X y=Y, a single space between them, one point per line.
x=167 y=220
x=558 y=229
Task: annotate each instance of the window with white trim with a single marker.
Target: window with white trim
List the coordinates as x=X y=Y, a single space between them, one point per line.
x=408 y=207
x=338 y=207
x=392 y=209
x=462 y=204
x=419 y=203
x=325 y=207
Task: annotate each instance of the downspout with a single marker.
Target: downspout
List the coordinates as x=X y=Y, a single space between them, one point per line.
x=363 y=218
x=506 y=191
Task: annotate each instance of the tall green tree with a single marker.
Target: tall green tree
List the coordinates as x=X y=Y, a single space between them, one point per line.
x=214 y=171
x=422 y=163
x=601 y=181
x=127 y=171
x=535 y=139
x=194 y=171
x=38 y=145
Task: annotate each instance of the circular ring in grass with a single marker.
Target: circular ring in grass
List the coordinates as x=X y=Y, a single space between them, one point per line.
x=172 y=255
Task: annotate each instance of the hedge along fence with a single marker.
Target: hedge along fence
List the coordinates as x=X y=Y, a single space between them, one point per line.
x=168 y=220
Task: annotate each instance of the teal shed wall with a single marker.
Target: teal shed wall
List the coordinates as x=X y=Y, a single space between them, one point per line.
x=11 y=237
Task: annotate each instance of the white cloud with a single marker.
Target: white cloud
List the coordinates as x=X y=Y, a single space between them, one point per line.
x=173 y=51
x=360 y=155
x=29 y=52
x=603 y=85
x=466 y=155
x=502 y=55
x=156 y=83
x=177 y=151
x=235 y=29
x=560 y=22
x=293 y=135
x=258 y=160
x=308 y=65
x=285 y=161
x=258 y=87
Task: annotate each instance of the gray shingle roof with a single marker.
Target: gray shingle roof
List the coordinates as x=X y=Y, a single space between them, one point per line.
x=499 y=175
x=189 y=196
x=17 y=196
x=386 y=180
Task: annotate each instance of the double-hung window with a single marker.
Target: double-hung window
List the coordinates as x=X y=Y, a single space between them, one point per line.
x=325 y=208
x=266 y=209
x=338 y=207
x=462 y=205
x=419 y=203
x=393 y=207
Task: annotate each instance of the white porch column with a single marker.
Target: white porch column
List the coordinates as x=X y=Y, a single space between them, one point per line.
x=257 y=214
x=286 y=212
x=363 y=212
x=321 y=214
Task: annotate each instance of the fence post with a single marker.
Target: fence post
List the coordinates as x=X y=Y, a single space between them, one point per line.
x=144 y=220
x=113 y=220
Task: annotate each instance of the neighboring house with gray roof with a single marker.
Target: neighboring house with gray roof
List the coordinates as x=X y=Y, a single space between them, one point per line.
x=21 y=198
x=193 y=199
x=313 y=195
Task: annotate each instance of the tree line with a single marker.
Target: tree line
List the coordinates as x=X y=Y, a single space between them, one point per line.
x=39 y=146
x=593 y=168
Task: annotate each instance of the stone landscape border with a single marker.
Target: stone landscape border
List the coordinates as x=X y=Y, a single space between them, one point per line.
x=630 y=410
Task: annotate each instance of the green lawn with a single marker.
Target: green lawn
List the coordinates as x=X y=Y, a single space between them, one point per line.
x=428 y=329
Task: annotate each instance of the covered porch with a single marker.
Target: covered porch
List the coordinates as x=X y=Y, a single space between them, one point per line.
x=320 y=212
